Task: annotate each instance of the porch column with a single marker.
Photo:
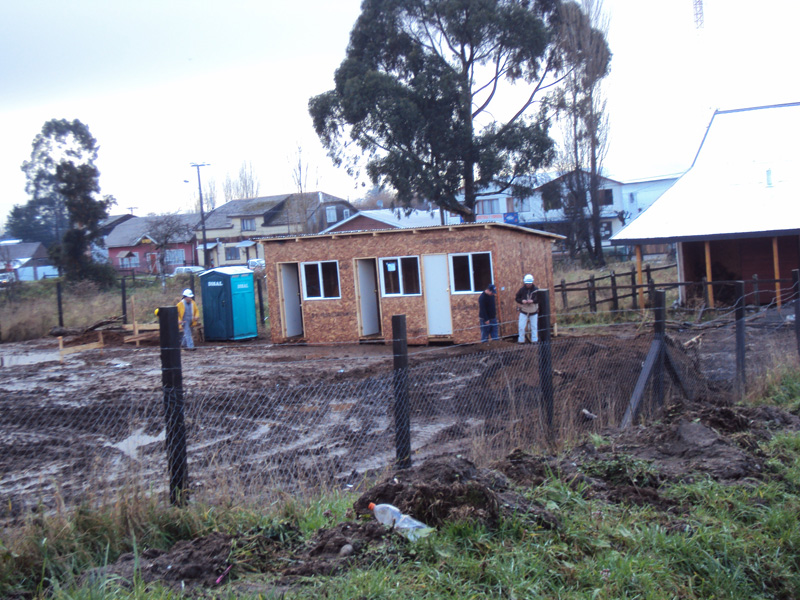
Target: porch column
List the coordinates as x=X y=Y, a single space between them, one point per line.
x=777 y=270
x=709 y=279
x=639 y=278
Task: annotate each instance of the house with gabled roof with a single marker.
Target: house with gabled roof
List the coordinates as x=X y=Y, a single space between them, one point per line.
x=29 y=261
x=735 y=214
x=233 y=228
x=387 y=218
x=134 y=244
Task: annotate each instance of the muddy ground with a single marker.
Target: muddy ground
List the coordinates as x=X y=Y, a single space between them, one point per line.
x=262 y=418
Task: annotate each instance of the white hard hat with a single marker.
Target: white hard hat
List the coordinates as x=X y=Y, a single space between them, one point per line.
x=188 y=293
x=528 y=278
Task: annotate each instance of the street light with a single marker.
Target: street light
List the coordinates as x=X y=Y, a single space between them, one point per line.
x=202 y=213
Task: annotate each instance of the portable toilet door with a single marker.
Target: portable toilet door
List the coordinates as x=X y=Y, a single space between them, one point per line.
x=229 y=310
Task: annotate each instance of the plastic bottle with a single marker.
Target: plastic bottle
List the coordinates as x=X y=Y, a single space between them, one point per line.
x=406 y=525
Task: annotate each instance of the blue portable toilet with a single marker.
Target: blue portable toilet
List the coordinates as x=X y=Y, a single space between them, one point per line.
x=229 y=305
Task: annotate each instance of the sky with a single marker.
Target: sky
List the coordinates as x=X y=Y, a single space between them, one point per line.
x=164 y=84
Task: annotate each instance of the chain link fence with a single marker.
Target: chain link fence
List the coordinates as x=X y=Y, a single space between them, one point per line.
x=314 y=435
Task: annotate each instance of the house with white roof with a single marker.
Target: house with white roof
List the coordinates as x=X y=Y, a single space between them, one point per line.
x=735 y=214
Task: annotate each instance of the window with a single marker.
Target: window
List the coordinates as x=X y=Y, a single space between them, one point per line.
x=521 y=205
x=129 y=262
x=346 y=213
x=321 y=279
x=330 y=214
x=606 y=197
x=175 y=257
x=231 y=253
x=248 y=224
x=400 y=276
x=470 y=273
x=487 y=206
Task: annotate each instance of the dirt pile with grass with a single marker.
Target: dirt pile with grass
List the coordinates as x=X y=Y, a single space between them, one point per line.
x=692 y=440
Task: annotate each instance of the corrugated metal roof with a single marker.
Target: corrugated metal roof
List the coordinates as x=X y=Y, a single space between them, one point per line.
x=744 y=182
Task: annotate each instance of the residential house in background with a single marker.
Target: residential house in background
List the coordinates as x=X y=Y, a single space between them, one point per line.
x=28 y=261
x=233 y=228
x=133 y=245
x=735 y=214
x=620 y=203
x=387 y=218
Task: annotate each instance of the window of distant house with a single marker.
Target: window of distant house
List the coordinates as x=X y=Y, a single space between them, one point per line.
x=606 y=197
x=248 y=224
x=321 y=280
x=400 y=276
x=632 y=198
x=487 y=206
x=470 y=273
x=522 y=205
x=345 y=213
x=330 y=214
x=231 y=253
x=129 y=262
x=175 y=257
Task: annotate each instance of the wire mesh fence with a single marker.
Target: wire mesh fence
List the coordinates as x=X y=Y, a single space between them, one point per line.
x=335 y=432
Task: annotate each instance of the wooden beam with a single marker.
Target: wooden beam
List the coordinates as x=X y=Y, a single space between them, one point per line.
x=709 y=279
x=639 y=277
x=777 y=270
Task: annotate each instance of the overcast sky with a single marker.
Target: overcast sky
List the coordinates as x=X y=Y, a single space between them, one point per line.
x=164 y=83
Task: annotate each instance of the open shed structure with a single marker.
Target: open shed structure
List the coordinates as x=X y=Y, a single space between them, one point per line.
x=345 y=287
x=735 y=214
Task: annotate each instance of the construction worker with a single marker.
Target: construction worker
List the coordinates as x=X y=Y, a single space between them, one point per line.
x=527 y=300
x=188 y=316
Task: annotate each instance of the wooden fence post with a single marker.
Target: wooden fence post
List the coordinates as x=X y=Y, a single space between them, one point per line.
x=60 y=305
x=124 y=302
x=634 y=292
x=755 y=290
x=660 y=312
x=546 y=360
x=741 y=380
x=564 y=295
x=402 y=422
x=172 y=382
x=592 y=295
x=614 y=293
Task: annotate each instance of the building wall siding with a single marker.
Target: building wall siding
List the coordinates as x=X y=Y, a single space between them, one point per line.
x=515 y=252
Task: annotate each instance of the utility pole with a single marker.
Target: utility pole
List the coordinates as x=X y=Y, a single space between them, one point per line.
x=202 y=213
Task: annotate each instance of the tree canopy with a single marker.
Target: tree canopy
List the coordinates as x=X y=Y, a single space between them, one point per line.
x=440 y=94
x=65 y=209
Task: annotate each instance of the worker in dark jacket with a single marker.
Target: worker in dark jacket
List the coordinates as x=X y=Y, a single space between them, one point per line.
x=487 y=311
x=527 y=300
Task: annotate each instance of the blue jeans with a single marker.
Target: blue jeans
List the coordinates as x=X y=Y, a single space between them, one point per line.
x=187 y=341
x=489 y=329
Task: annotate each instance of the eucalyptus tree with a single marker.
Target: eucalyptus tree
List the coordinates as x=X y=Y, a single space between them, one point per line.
x=439 y=97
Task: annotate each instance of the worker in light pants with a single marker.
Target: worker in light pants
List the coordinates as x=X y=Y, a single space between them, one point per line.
x=527 y=300
x=188 y=315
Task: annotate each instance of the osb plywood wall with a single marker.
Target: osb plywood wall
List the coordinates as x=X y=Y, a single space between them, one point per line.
x=514 y=253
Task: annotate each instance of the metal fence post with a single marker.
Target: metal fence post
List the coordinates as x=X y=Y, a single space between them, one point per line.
x=172 y=382
x=124 y=302
x=660 y=313
x=741 y=379
x=402 y=422
x=60 y=306
x=261 y=301
x=634 y=290
x=546 y=360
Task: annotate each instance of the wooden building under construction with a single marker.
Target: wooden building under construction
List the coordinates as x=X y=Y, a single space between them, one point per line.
x=735 y=214
x=346 y=286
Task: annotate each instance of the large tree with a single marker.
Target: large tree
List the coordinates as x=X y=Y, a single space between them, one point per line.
x=582 y=110
x=440 y=95
x=65 y=209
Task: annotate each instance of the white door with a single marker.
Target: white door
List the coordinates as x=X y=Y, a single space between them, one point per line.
x=437 y=294
x=292 y=309
x=368 y=297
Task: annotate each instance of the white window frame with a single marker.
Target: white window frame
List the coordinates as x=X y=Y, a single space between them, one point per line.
x=400 y=276
x=129 y=262
x=345 y=213
x=249 y=224
x=232 y=249
x=330 y=214
x=482 y=203
x=170 y=255
x=450 y=258
x=319 y=264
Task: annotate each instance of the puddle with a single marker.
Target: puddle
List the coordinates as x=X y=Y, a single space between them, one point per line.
x=136 y=440
x=12 y=360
